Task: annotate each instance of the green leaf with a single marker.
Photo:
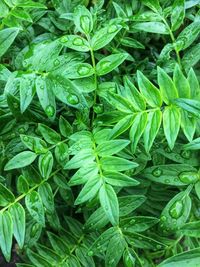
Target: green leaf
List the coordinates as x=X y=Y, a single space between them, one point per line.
x=119 y=179
x=138 y=223
x=181 y=83
x=188 y=125
x=61 y=154
x=89 y=190
x=59 y=245
x=65 y=127
x=185 y=259
x=35 y=207
x=46 y=96
x=193 y=145
x=134 y=95
x=152 y=4
x=188 y=35
x=22 y=184
x=6 y=196
x=109 y=148
x=115 y=250
x=190 y=105
x=6 y=234
x=7 y=37
x=75 y=42
x=176 y=212
x=121 y=103
x=178 y=14
x=46 y=194
x=111 y=163
x=149 y=91
x=83 y=19
x=45 y=164
x=152 y=128
x=194 y=84
x=27 y=90
x=109 y=203
x=37 y=260
x=18 y=216
x=30 y=4
x=109 y=63
x=21 y=160
x=122 y=125
x=19 y=13
x=51 y=136
x=137 y=129
x=190 y=229
x=152 y=27
x=66 y=91
x=105 y=35
x=167 y=87
x=171 y=124
x=34 y=143
x=85 y=156
x=172 y=174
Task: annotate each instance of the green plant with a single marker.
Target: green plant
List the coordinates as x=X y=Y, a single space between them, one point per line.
x=99 y=138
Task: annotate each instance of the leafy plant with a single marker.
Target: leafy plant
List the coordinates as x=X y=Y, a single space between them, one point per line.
x=99 y=138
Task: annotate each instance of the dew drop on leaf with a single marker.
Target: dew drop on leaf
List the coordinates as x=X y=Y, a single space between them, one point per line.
x=157 y=172
x=90 y=253
x=25 y=138
x=105 y=64
x=64 y=39
x=188 y=177
x=163 y=218
x=185 y=154
x=112 y=29
x=132 y=221
x=176 y=210
x=50 y=111
x=78 y=41
x=72 y=99
x=83 y=70
x=56 y=62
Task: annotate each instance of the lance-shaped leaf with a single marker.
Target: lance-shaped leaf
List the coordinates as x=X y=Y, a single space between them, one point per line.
x=7 y=37
x=21 y=160
x=6 y=234
x=109 y=203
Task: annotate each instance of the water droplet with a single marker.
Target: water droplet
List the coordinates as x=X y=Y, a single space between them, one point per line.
x=98 y=108
x=158 y=246
x=42 y=87
x=188 y=177
x=111 y=261
x=185 y=154
x=15 y=105
x=83 y=70
x=50 y=110
x=64 y=39
x=176 y=210
x=72 y=99
x=157 y=172
x=56 y=62
x=25 y=138
x=21 y=130
x=85 y=23
x=90 y=253
x=167 y=181
x=163 y=218
x=112 y=29
x=78 y=41
x=132 y=221
x=105 y=64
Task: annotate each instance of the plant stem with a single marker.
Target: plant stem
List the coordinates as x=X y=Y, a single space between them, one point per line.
x=95 y=82
x=29 y=191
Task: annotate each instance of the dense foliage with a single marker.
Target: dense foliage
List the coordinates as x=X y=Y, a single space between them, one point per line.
x=99 y=136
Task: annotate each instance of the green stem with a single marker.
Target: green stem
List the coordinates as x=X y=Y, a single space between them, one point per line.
x=29 y=191
x=95 y=82
x=173 y=41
